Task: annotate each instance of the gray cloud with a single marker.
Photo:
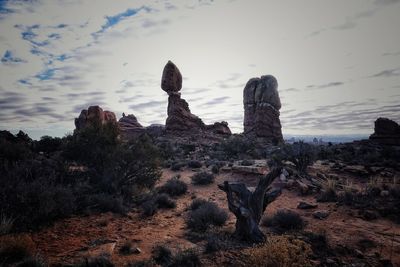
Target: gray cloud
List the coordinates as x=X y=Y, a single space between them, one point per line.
x=322 y=86
x=146 y=105
x=388 y=73
x=391 y=53
x=386 y=2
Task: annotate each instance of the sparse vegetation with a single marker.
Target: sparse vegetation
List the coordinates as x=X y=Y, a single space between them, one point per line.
x=100 y=261
x=299 y=153
x=185 y=258
x=165 y=202
x=285 y=220
x=37 y=190
x=15 y=250
x=162 y=255
x=6 y=224
x=279 y=251
x=174 y=187
x=203 y=178
x=205 y=214
x=328 y=191
x=195 y=164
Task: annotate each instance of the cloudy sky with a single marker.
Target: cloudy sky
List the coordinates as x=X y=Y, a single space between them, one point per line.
x=337 y=62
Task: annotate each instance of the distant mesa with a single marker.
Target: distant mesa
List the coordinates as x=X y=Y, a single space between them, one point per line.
x=386 y=132
x=261 y=109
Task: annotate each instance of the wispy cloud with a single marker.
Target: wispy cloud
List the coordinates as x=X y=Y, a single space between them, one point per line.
x=10 y=58
x=323 y=86
x=388 y=73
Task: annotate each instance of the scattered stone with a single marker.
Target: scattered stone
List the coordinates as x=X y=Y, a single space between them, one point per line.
x=321 y=214
x=359 y=254
x=356 y=169
x=304 y=189
x=136 y=250
x=261 y=108
x=250 y=169
x=305 y=206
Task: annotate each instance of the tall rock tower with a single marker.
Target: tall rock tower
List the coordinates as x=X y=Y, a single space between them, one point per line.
x=261 y=109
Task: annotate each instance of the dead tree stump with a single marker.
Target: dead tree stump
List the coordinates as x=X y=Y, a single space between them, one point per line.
x=248 y=206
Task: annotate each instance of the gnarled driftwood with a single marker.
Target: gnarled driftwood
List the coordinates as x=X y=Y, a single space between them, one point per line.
x=248 y=206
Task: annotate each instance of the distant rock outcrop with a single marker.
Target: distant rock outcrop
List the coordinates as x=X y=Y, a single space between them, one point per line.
x=179 y=116
x=93 y=115
x=386 y=132
x=219 y=128
x=129 y=126
x=261 y=108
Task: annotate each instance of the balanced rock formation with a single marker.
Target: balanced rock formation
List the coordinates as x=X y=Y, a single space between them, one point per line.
x=129 y=126
x=261 y=108
x=179 y=116
x=93 y=115
x=386 y=132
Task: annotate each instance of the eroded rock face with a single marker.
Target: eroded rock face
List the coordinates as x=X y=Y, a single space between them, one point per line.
x=179 y=116
x=129 y=126
x=261 y=108
x=386 y=132
x=93 y=115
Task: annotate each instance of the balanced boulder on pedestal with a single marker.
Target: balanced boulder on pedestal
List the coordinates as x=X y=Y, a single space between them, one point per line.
x=179 y=116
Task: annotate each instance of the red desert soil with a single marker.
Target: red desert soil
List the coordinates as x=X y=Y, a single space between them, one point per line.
x=71 y=239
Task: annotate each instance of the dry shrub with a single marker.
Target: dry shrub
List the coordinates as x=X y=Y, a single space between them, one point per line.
x=15 y=248
x=279 y=251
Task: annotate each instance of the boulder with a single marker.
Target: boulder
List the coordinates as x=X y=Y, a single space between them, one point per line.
x=261 y=108
x=386 y=132
x=305 y=206
x=171 y=80
x=219 y=128
x=321 y=214
x=94 y=115
x=130 y=127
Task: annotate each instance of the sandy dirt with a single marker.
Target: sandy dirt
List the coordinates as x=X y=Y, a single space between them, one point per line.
x=71 y=239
